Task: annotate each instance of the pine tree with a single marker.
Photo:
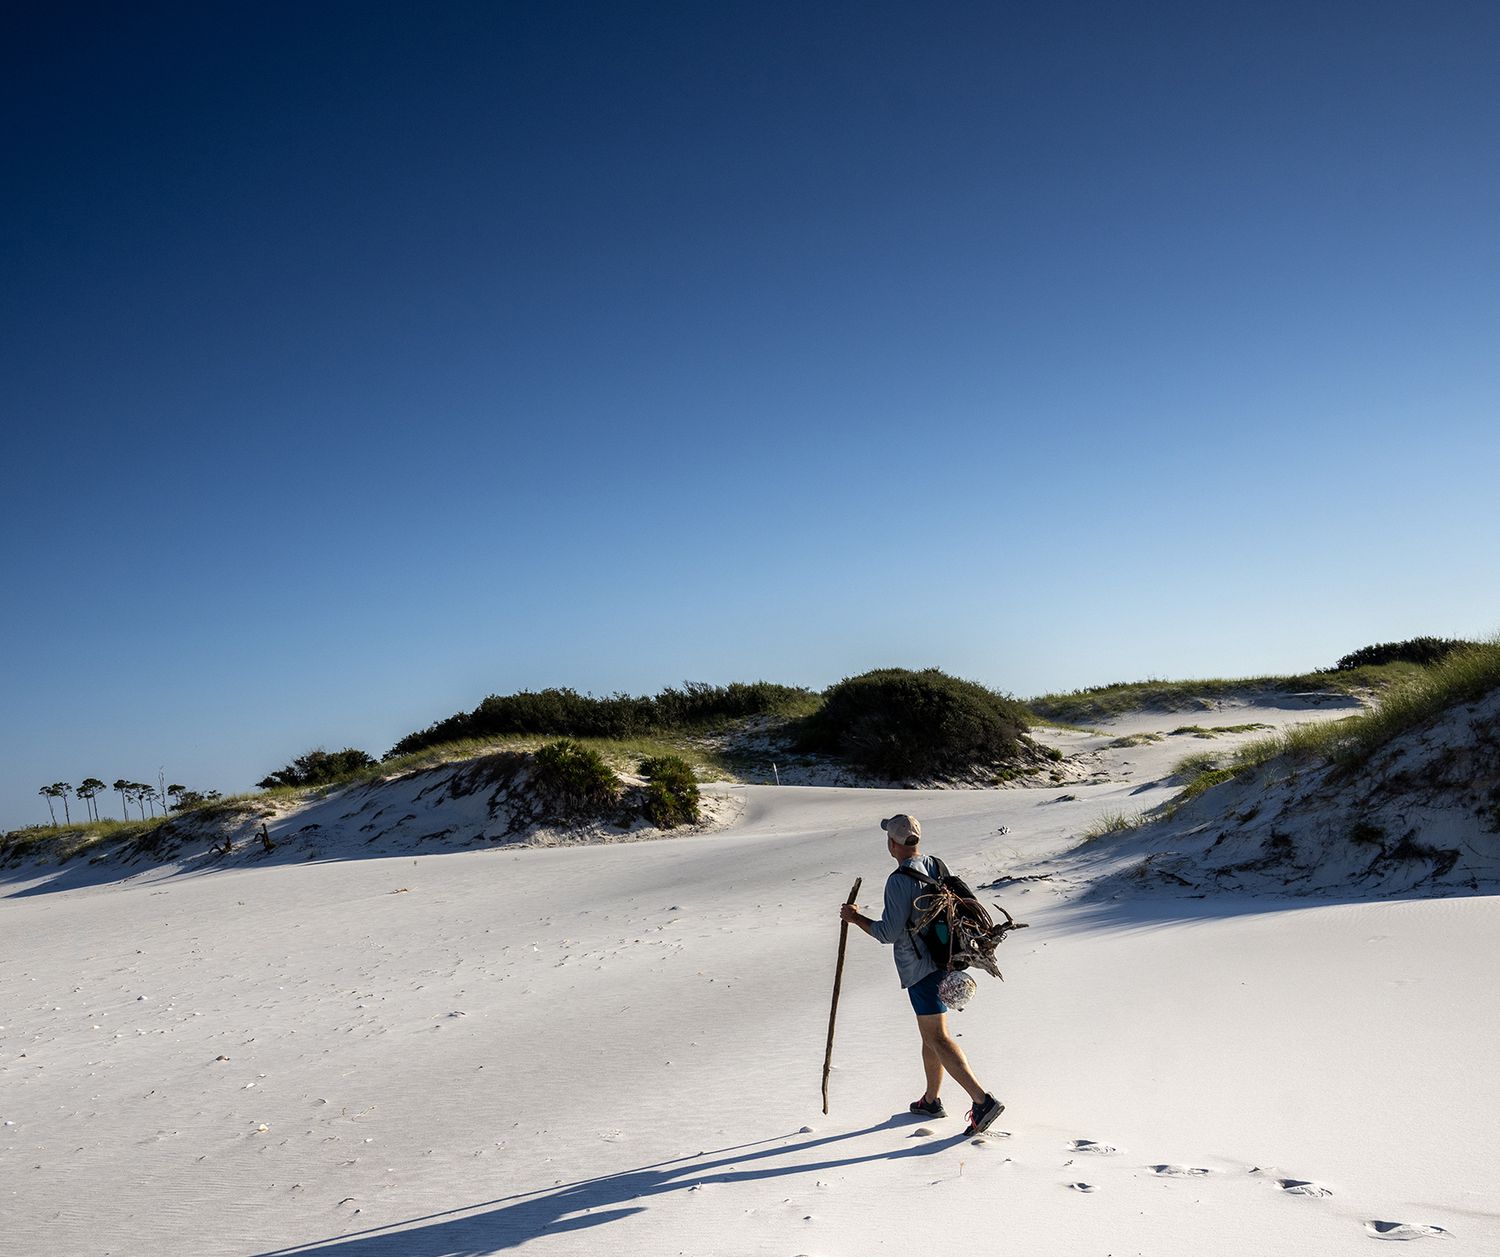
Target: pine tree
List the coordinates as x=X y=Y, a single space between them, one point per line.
x=89 y=790
x=64 y=789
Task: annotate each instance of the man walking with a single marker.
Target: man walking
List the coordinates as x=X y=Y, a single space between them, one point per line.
x=920 y=974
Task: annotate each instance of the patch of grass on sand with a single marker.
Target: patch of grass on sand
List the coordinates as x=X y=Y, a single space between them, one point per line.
x=1213 y=731
x=66 y=842
x=1103 y=701
x=1306 y=743
x=1034 y=721
x=1107 y=823
x=1138 y=739
x=1203 y=781
x=253 y=803
x=1198 y=773
x=1192 y=766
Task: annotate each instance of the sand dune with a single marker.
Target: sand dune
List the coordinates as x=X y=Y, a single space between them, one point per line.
x=440 y=1049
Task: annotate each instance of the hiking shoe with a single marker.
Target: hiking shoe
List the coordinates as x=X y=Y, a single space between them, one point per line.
x=929 y=1108
x=983 y=1114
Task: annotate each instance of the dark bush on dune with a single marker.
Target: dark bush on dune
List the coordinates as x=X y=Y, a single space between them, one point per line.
x=1423 y=650
x=565 y=711
x=900 y=723
x=572 y=781
x=671 y=794
x=317 y=767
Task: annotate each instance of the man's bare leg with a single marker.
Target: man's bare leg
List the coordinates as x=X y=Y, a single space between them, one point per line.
x=935 y=1037
x=932 y=1066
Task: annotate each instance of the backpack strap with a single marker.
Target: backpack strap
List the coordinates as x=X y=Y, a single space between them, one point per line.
x=922 y=877
x=937 y=883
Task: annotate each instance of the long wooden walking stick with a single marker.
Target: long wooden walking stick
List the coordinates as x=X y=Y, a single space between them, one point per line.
x=838 y=981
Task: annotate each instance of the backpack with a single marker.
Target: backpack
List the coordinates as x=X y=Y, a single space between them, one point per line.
x=955 y=929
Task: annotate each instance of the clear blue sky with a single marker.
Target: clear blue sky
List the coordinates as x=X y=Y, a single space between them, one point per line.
x=360 y=360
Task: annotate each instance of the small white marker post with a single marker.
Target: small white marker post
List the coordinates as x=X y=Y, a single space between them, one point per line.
x=776 y=774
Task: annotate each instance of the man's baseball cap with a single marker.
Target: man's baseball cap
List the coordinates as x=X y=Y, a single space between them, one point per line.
x=903 y=829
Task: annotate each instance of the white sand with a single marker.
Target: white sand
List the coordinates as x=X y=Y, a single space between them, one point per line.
x=614 y=1049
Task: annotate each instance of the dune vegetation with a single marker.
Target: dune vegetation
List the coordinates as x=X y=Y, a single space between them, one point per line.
x=1366 y=672
x=697 y=707
x=1103 y=701
x=897 y=724
x=1420 y=695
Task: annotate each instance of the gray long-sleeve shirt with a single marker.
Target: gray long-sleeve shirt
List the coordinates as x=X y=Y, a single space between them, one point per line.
x=912 y=962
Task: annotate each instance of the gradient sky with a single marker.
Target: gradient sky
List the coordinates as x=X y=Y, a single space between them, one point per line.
x=360 y=360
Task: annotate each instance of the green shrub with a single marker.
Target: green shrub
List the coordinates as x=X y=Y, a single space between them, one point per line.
x=671 y=794
x=319 y=767
x=573 y=781
x=900 y=723
x=1422 y=650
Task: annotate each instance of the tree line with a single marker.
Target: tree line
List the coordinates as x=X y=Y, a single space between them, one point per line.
x=169 y=798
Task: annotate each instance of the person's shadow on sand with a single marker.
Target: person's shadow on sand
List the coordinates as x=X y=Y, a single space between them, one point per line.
x=510 y=1221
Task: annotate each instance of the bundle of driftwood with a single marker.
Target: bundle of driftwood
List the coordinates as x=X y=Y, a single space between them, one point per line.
x=972 y=929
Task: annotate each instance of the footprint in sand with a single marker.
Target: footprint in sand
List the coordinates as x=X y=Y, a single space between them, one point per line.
x=1402 y=1231
x=1178 y=1171
x=1089 y=1145
x=1303 y=1187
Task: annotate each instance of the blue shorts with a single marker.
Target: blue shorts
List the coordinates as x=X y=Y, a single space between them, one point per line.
x=924 y=995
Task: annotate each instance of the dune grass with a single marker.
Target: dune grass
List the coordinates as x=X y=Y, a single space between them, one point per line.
x=1424 y=693
x=257 y=803
x=1036 y=721
x=65 y=842
x=1464 y=676
x=1107 y=823
x=1138 y=739
x=1103 y=701
x=1213 y=731
x=1201 y=781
